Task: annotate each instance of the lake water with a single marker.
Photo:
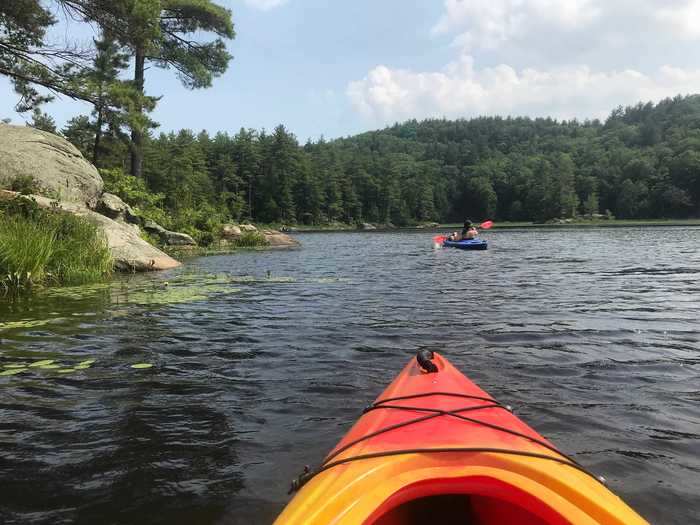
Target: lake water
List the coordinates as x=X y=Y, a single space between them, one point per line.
x=262 y=360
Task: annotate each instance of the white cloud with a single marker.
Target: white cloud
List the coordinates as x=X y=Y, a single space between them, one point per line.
x=461 y=90
x=489 y=23
x=684 y=19
x=265 y=5
x=559 y=58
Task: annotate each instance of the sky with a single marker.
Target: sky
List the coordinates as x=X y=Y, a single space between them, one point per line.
x=338 y=67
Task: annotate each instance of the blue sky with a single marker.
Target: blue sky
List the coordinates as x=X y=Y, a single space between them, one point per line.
x=339 y=67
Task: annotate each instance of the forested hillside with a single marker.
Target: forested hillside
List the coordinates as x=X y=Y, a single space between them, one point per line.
x=642 y=162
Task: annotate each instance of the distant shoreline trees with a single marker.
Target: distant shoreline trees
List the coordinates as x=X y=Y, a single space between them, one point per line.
x=507 y=169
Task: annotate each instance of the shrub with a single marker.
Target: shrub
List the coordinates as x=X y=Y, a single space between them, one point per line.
x=134 y=192
x=250 y=240
x=24 y=184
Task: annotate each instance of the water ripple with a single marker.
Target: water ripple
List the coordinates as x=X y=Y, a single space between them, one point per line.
x=262 y=360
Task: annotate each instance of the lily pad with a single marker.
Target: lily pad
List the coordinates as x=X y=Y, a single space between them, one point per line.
x=66 y=370
x=15 y=365
x=28 y=323
x=86 y=363
x=49 y=367
x=82 y=367
x=12 y=371
x=42 y=364
x=142 y=365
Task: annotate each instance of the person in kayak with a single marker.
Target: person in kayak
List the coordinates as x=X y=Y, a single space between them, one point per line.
x=469 y=232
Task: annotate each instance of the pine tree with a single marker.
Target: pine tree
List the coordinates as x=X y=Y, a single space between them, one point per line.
x=110 y=93
x=28 y=61
x=81 y=133
x=166 y=33
x=42 y=121
x=246 y=157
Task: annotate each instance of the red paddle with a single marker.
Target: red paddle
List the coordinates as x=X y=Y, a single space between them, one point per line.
x=486 y=225
x=439 y=239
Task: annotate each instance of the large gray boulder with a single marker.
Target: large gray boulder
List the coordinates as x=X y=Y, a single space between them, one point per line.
x=57 y=167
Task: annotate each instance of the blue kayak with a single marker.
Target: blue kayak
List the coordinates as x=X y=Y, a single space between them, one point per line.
x=468 y=244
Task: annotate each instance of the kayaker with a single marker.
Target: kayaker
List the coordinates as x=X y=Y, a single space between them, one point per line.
x=469 y=232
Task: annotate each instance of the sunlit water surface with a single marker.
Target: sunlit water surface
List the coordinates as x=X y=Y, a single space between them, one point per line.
x=262 y=360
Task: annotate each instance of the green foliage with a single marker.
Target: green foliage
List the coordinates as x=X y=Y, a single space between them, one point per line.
x=24 y=184
x=23 y=25
x=134 y=191
x=251 y=239
x=25 y=251
x=48 y=247
x=80 y=132
x=42 y=121
x=643 y=162
x=202 y=223
x=590 y=206
x=80 y=254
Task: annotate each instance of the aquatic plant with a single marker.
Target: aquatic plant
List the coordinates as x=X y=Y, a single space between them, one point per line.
x=81 y=254
x=25 y=251
x=49 y=247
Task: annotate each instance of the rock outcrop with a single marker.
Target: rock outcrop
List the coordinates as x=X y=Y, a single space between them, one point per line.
x=129 y=250
x=56 y=166
x=230 y=232
x=66 y=181
x=274 y=238
x=168 y=237
x=116 y=209
x=277 y=239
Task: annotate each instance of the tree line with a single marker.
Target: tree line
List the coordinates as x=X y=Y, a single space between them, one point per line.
x=642 y=161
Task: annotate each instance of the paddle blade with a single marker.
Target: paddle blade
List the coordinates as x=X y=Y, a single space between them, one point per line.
x=486 y=225
x=439 y=238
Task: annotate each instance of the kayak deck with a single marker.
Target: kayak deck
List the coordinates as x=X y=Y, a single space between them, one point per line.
x=470 y=244
x=435 y=444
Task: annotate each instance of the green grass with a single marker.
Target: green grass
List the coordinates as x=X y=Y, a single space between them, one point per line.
x=25 y=251
x=251 y=239
x=45 y=247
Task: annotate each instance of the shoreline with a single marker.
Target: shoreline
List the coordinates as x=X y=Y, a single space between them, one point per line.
x=612 y=223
